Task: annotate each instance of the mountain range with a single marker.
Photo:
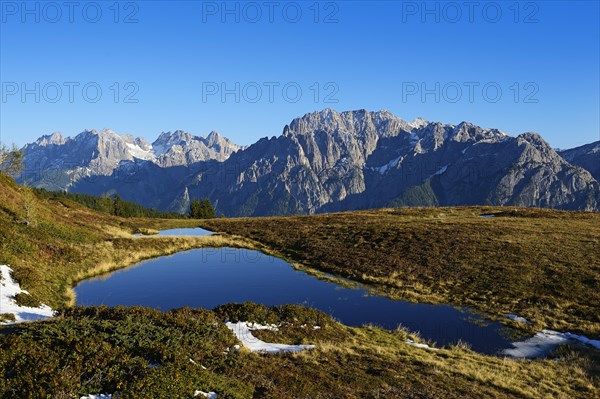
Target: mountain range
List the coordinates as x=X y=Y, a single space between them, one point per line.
x=322 y=162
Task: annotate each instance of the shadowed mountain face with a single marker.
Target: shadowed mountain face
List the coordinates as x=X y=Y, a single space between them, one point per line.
x=587 y=156
x=329 y=161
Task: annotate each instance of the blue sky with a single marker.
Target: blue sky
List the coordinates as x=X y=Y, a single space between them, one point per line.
x=533 y=67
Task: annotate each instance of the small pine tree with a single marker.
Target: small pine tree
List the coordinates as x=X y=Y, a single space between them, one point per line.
x=117 y=205
x=202 y=209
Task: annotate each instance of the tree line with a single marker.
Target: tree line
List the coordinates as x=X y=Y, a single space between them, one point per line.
x=115 y=205
x=11 y=164
x=110 y=204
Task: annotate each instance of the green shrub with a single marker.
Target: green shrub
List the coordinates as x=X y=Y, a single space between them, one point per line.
x=102 y=349
x=247 y=311
x=202 y=209
x=5 y=317
x=24 y=299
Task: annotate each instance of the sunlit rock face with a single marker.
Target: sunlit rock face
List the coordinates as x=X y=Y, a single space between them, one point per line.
x=327 y=161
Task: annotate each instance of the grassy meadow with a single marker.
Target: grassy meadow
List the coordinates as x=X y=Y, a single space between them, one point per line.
x=51 y=244
x=540 y=264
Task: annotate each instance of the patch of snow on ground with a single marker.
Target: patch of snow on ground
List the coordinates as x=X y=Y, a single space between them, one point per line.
x=98 y=396
x=8 y=289
x=242 y=331
x=209 y=395
x=256 y=326
x=585 y=340
x=517 y=318
x=423 y=346
x=543 y=342
x=487 y=216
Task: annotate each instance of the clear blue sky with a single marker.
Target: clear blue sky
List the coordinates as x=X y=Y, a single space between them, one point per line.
x=373 y=55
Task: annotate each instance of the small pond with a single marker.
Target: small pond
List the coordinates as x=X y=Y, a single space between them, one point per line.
x=210 y=277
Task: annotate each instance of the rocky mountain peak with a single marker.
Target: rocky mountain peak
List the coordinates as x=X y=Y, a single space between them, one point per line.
x=55 y=138
x=331 y=161
x=101 y=152
x=418 y=123
x=537 y=142
x=586 y=156
x=214 y=135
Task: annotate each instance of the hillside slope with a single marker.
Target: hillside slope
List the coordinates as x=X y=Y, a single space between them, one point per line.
x=51 y=243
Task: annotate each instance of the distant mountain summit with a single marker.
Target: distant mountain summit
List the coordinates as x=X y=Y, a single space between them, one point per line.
x=587 y=156
x=335 y=161
x=56 y=162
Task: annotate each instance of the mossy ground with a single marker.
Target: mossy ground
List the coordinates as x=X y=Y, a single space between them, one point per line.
x=144 y=353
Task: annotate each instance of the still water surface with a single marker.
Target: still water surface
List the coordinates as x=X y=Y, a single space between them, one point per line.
x=210 y=277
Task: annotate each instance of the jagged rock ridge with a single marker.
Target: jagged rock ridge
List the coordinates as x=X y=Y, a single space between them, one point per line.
x=56 y=162
x=335 y=161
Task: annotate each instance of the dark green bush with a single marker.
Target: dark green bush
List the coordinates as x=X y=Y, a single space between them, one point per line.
x=247 y=311
x=4 y=317
x=24 y=299
x=102 y=349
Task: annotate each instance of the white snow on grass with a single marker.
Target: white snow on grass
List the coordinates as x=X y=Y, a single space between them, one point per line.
x=256 y=326
x=201 y=365
x=487 y=215
x=544 y=342
x=585 y=340
x=209 y=395
x=242 y=331
x=517 y=318
x=422 y=346
x=8 y=289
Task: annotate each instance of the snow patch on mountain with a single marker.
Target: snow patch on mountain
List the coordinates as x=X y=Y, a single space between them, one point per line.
x=418 y=123
x=137 y=152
